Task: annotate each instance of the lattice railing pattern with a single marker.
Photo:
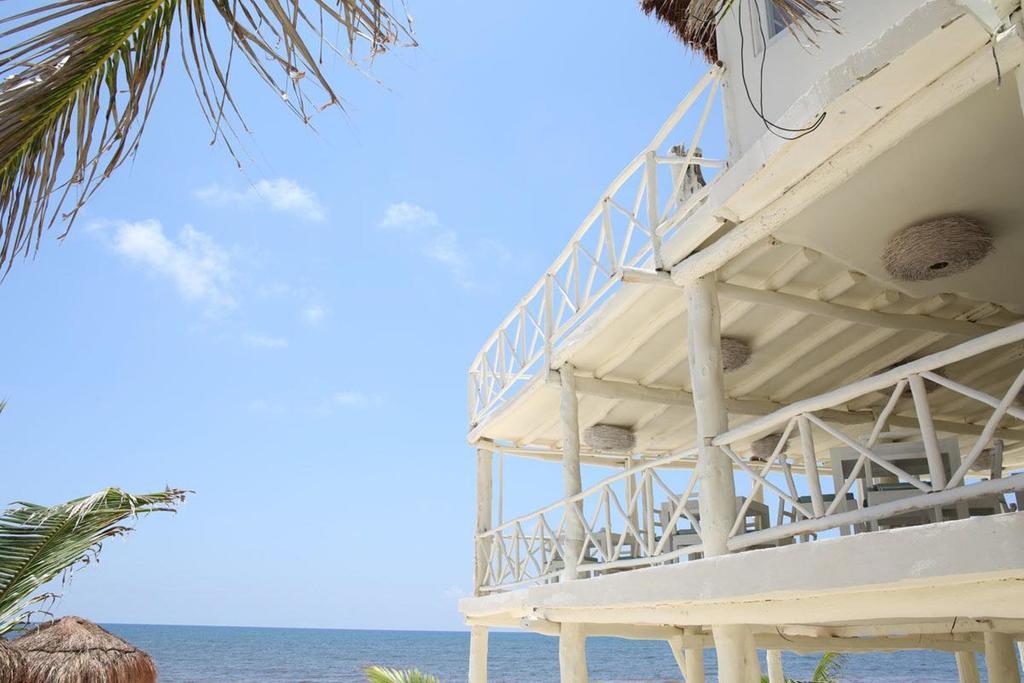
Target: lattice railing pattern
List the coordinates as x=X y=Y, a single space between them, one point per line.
x=619 y=523
x=907 y=389
x=648 y=201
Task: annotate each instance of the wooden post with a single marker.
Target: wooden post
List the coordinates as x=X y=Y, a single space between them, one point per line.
x=775 y=672
x=484 y=472
x=676 y=644
x=571 y=478
x=967 y=667
x=811 y=466
x=695 y=666
x=1001 y=658
x=477 y=654
x=734 y=644
x=572 y=653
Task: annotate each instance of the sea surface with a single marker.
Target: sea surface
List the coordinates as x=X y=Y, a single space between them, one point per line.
x=261 y=655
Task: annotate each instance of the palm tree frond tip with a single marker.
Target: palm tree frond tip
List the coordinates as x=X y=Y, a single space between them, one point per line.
x=78 y=80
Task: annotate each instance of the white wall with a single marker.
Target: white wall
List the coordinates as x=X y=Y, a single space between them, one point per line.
x=792 y=66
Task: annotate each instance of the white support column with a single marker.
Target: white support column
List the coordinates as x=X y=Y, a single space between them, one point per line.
x=570 y=417
x=478 y=654
x=484 y=492
x=775 y=672
x=572 y=653
x=1001 y=658
x=734 y=644
x=676 y=644
x=967 y=667
x=694 y=666
x=572 y=648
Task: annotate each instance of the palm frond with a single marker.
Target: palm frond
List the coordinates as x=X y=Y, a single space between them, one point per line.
x=829 y=668
x=38 y=543
x=78 y=80
x=382 y=674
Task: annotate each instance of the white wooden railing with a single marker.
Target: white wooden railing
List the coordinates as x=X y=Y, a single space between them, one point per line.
x=619 y=518
x=624 y=525
x=907 y=388
x=646 y=203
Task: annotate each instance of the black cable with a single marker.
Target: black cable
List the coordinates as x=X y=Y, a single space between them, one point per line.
x=772 y=127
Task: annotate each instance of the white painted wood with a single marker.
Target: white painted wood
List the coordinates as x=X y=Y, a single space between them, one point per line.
x=694 y=666
x=811 y=466
x=478 y=654
x=675 y=642
x=484 y=472
x=775 y=672
x=1001 y=658
x=572 y=653
x=737 y=654
x=714 y=470
x=860 y=316
x=979 y=345
x=967 y=667
x=928 y=436
x=571 y=477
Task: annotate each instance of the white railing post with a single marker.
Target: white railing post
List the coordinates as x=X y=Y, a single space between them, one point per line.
x=653 y=213
x=548 y=313
x=811 y=466
x=936 y=469
x=571 y=478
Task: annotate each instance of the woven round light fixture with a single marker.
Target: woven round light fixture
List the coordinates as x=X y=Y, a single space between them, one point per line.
x=735 y=353
x=610 y=438
x=936 y=248
x=762 y=449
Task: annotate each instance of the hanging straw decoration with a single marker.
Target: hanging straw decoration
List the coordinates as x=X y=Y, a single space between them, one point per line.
x=936 y=248
x=735 y=353
x=762 y=449
x=609 y=438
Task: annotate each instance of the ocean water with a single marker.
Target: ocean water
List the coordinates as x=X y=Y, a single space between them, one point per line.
x=191 y=654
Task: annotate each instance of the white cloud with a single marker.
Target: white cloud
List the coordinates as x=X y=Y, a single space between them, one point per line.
x=263 y=341
x=279 y=194
x=444 y=248
x=199 y=268
x=408 y=217
x=314 y=314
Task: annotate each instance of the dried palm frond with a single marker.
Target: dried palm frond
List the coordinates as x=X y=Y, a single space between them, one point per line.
x=695 y=21
x=78 y=80
x=38 y=543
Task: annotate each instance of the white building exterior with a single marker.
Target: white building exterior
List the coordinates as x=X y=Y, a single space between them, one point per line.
x=882 y=514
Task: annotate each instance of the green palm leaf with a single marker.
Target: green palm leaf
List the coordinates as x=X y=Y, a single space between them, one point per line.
x=78 y=80
x=38 y=543
x=381 y=674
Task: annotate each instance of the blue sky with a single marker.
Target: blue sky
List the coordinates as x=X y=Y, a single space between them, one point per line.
x=291 y=341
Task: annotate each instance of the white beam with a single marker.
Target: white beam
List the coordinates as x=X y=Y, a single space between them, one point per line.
x=775 y=673
x=860 y=316
x=967 y=667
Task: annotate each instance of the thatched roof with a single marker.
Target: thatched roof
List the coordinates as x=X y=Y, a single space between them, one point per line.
x=73 y=650
x=693 y=21
x=12 y=664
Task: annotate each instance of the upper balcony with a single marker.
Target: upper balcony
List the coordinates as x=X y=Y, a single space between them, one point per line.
x=793 y=228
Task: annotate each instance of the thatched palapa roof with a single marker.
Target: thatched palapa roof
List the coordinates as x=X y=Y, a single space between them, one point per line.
x=12 y=664
x=693 y=21
x=73 y=650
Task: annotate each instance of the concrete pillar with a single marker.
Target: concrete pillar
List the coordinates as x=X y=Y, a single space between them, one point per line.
x=967 y=667
x=572 y=654
x=484 y=473
x=775 y=672
x=734 y=644
x=694 y=666
x=478 y=654
x=569 y=411
x=1001 y=658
